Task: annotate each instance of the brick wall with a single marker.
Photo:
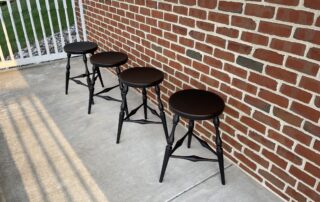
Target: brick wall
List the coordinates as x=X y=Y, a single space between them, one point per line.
x=261 y=56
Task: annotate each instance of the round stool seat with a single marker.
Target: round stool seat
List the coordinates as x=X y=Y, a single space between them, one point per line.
x=109 y=59
x=196 y=104
x=80 y=47
x=141 y=77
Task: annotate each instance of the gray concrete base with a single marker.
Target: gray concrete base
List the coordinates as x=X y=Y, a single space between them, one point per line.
x=52 y=150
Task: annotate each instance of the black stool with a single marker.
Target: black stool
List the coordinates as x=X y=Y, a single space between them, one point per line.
x=195 y=105
x=107 y=60
x=77 y=48
x=141 y=77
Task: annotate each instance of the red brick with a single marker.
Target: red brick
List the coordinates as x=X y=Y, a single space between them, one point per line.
x=248 y=142
x=184 y=60
x=269 y=56
x=277 y=191
x=237 y=125
x=275 y=158
x=280 y=138
x=245 y=160
x=170 y=36
x=179 y=30
x=310 y=35
x=256 y=158
x=312 y=129
x=310 y=84
x=305 y=111
x=317 y=101
x=268 y=176
x=204 y=48
x=235 y=70
x=301 y=175
x=296 y=195
x=197 y=84
x=205 y=26
x=287 y=116
x=191 y=72
x=244 y=86
x=230 y=111
x=314 y=4
x=198 y=13
x=284 y=2
x=254 y=38
x=230 y=91
x=213 y=62
x=197 y=35
x=259 y=10
x=308 y=154
x=290 y=47
x=186 y=42
x=219 y=17
x=275 y=29
x=281 y=74
x=274 y=98
x=263 y=81
x=266 y=120
x=188 y=2
x=224 y=55
x=239 y=105
x=232 y=142
x=315 y=196
x=313 y=170
x=180 y=10
x=187 y=21
x=220 y=75
x=243 y=22
x=170 y=17
x=201 y=67
x=234 y=7
x=215 y=40
x=258 y=103
x=297 y=135
x=253 y=174
x=283 y=175
x=289 y=155
x=207 y=3
x=239 y=48
x=164 y=25
x=177 y=48
x=318 y=22
x=302 y=66
x=209 y=81
x=164 y=6
x=253 y=124
x=296 y=93
x=314 y=53
x=182 y=76
x=295 y=16
x=230 y=32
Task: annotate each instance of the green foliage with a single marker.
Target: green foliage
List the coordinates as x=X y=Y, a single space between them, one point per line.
x=25 y=15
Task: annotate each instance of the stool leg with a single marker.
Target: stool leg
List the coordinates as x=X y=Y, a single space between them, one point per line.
x=87 y=70
x=170 y=141
x=100 y=77
x=118 y=70
x=67 y=73
x=190 y=132
x=144 y=99
x=162 y=114
x=91 y=87
x=219 y=149
x=124 y=91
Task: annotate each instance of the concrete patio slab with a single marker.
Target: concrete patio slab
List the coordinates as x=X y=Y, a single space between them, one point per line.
x=52 y=150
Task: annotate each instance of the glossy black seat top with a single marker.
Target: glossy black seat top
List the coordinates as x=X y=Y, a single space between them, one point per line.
x=80 y=47
x=196 y=104
x=141 y=77
x=109 y=59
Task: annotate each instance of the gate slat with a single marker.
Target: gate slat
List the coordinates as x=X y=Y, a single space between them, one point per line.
x=24 y=28
x=51 y=27
x=14 y=28
x=67 y=19
x=1 y=54
x=84 y=32
x=59 y=22
x=75 y=19
x=33 y=28
x=6 y=35
x=42 y=28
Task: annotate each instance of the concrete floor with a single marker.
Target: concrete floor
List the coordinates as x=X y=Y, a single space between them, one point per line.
x=51 y=150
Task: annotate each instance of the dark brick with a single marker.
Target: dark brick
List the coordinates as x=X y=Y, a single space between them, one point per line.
x=194 y=55
x=251 y=64
x=157 y=48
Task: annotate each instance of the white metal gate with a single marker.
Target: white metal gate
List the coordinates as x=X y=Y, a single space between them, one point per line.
x=33 y=31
